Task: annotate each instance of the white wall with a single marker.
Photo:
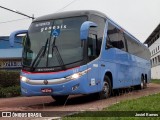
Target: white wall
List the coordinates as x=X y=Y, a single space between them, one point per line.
x=155 y=70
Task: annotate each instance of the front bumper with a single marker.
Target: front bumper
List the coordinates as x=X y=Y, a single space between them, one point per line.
x=60 y=86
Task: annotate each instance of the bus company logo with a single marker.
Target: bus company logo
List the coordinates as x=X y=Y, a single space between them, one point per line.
x=45 y=82
x=53 y=27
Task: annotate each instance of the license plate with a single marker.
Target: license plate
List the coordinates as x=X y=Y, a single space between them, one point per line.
x=46 y=90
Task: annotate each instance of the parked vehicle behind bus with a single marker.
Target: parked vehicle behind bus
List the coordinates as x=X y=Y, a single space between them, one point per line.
x=81 y=52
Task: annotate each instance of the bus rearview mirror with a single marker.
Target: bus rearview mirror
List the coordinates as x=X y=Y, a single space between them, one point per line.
x=13 y=35
x=84 y=30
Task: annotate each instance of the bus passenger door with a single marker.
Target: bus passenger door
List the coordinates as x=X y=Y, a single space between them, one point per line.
x=93 y=53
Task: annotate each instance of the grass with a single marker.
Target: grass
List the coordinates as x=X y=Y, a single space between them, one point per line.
x=157 y=81
x=148 y=103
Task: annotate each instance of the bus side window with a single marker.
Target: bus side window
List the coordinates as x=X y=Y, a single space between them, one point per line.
x=108 y=43
x=115 y=37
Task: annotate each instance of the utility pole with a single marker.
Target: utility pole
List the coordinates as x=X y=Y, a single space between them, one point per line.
x=15 y=11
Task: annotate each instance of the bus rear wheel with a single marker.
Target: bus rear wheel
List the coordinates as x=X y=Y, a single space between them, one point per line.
x=143 y=83
x=106 y=90
x=60 y=99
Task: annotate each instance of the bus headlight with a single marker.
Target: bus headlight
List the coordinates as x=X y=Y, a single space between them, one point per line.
x=78 y=75
x=24 y=79
x=75 y=76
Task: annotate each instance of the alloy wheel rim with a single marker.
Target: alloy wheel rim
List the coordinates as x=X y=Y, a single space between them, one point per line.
x=106 y=89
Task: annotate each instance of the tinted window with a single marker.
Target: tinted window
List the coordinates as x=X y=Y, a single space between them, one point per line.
x=92 y=47
x=136 y=48
x=115 y=37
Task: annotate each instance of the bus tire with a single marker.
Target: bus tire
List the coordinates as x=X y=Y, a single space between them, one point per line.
x=60 y=99
x=106 y=90
x=143 y=83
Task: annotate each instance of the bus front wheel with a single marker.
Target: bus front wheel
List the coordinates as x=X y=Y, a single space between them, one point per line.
x=106 y=90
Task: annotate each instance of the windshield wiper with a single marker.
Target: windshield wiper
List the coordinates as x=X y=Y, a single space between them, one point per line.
x=59 y=58
x=40 y=54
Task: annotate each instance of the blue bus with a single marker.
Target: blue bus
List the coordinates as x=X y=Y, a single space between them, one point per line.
x=81 y=52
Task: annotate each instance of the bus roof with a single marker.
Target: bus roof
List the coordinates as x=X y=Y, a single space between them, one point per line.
x=69 y=14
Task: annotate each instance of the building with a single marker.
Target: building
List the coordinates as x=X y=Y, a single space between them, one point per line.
x=153 y=42
x=10 y=56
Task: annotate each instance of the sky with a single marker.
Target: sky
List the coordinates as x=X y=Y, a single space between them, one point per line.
x=138 y=17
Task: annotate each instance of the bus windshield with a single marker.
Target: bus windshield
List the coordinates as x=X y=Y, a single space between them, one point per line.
x=42 y=49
